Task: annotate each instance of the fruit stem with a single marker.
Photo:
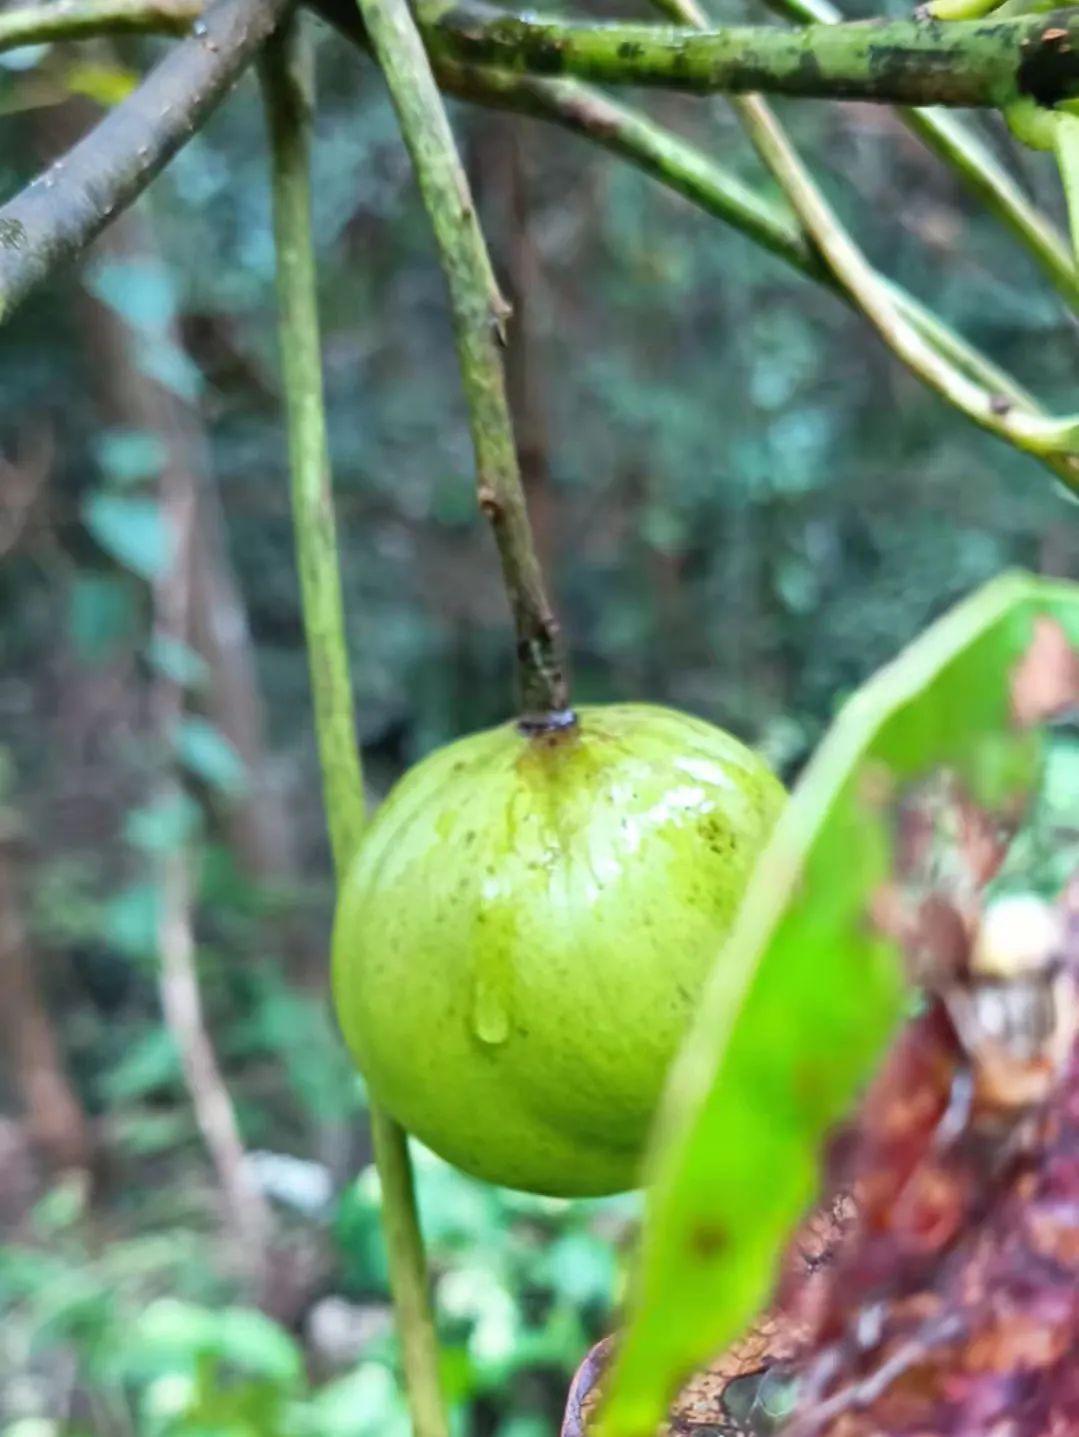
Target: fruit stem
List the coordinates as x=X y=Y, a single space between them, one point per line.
x=480 y=314
x=286 y=81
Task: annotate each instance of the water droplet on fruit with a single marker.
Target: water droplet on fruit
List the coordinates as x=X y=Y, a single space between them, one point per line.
x=490 y=1012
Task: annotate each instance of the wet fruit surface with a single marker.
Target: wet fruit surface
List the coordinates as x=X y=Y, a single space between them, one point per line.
x=522 y=938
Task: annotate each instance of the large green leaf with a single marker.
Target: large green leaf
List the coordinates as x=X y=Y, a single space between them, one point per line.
x=807 y=992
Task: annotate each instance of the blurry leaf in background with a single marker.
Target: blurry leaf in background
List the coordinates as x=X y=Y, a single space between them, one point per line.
x=103 y=617
x=127 y=456
x=164 y=825
x=105 y=84
x=177 y=661
x=365 y=1403
x=149 y=1065
x=138 y=288
x=166 y=363
x=132 y=531
x=206 y=753
x=171 y=1331
x=130 y=919
x=806 y=991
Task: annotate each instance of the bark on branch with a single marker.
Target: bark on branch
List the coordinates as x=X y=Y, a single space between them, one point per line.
x=64 y=209
x=79 y=19
x=905 y=62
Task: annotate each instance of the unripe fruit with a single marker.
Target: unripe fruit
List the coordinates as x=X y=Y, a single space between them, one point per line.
x=523 y=937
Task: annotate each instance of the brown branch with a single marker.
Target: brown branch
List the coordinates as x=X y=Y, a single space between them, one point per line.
x=61 y=211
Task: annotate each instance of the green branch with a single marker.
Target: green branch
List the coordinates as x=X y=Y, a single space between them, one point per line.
x=688 y=171
x=285 y=77
x=83 y=19
x=956 y=144
x=649 y=146
x=479 y=314
x=939 y=365
x=1051 y=439
x=906 y=62
x=288 y=119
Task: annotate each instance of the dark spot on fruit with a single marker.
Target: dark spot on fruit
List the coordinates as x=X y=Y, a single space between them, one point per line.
x=708 y=1239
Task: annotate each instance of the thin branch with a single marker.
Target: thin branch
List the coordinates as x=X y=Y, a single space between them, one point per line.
x=286 y=84
x=64 y=209
x=688 y=171
x=917 y=345
x=959 y=147
x=289 y=120
x=905 y=62
x=903 y=326
x=83 y=19
x=479 y=313
x=657 y=151
x=247 y=1215
x=1048 y=438
x=246 y=1212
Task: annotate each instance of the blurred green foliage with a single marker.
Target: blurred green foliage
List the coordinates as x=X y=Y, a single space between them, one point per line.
x=745 y=508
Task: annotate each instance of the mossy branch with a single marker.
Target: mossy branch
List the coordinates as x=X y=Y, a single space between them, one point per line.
x=286 y=86
x=83 y=19
x=479 y=314
x=904 y=62
x=953 y=141
x=688 y=171
x=915 y=344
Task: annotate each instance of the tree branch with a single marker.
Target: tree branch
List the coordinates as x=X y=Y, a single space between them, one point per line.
x=286 y=85
x=479 y=313
x=688 y=171
x=959 y=147
x=1052 y=439
x=643 y=142
x=83 y=19
x=64 y=209
x=905 y=62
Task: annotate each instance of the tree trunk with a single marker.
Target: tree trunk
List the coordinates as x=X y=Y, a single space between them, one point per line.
x=54 y=1116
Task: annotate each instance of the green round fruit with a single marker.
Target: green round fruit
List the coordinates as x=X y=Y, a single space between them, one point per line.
x=522 y=939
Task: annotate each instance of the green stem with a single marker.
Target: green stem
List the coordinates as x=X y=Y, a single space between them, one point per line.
x=983 y=63
x=956 y=144
x=943 y=366
x=288 y=115
x=689 y=172
x=81 y=19
x=975 y=63
x=649 y=146
x=1052 y=439
x=286 y=86
x=1066 y=145
x=479 y=314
